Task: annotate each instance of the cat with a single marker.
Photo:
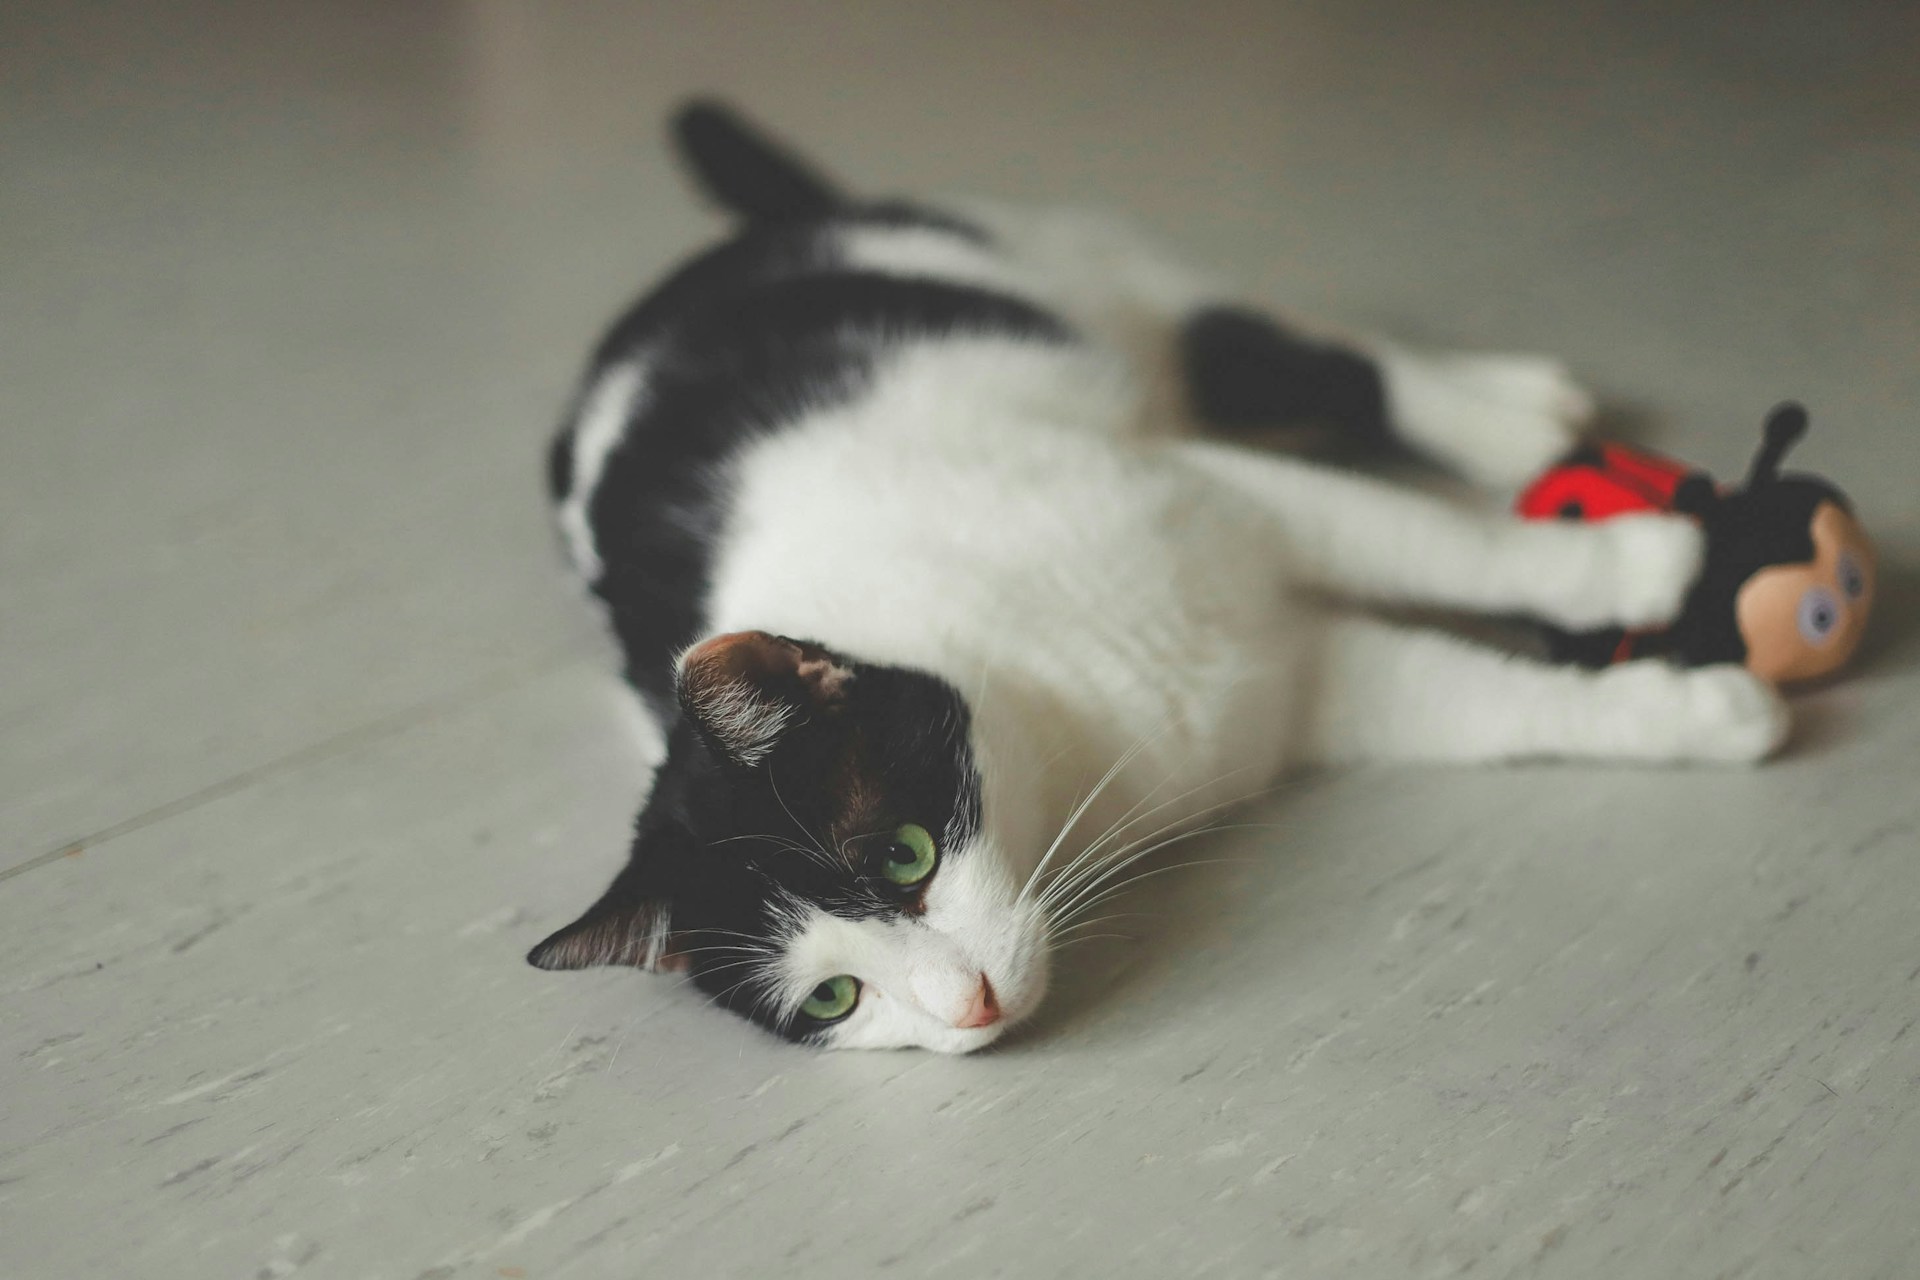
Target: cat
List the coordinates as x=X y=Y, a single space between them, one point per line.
x=949 y=613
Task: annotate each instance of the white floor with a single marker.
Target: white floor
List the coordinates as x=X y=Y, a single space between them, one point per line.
x=304 y=737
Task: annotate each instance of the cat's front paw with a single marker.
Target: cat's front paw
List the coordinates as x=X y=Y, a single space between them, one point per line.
x=1631 y=571
x=1650 y=563
x=1732 y=716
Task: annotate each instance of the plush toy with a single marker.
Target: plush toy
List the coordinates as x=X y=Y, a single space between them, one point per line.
x=1789 y=573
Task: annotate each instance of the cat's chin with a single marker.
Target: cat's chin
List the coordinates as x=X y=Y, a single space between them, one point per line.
x=950 y=1040
x=957 y=1041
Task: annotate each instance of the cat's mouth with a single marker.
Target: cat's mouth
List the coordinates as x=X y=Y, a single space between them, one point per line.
x=998 y=1008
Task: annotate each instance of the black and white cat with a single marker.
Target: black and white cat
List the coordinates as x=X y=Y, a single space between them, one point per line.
x=901 y=519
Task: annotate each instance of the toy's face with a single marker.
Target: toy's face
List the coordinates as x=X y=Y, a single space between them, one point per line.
x=1804 y=620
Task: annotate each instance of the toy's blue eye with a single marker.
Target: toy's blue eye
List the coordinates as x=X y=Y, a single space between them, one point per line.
x=1853 y=579
x=1819 y=615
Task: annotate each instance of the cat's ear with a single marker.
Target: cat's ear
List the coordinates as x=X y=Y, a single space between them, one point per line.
x=627 y=926
x=746 y=688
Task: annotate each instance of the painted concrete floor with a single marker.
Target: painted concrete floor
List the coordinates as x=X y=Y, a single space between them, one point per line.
x=304 y=736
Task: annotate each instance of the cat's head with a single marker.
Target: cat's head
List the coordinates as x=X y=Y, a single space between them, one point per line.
x=822 y=854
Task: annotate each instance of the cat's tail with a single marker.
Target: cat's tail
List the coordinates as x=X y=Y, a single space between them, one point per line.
x=745 y=170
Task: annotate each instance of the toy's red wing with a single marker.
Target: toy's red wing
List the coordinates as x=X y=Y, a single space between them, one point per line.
x=1602 y=480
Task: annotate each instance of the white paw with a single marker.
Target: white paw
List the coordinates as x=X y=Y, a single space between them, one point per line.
x=1733 y=715
x=1526 y=381
x=1631 y=571
x=1500 y=419
x=1651 y=562
x=1720 y=714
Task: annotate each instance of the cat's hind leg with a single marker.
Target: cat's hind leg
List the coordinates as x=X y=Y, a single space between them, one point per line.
x=1386 y=693
x=1360 y=537
x=1497 y=419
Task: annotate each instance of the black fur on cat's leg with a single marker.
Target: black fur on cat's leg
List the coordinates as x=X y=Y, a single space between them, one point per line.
x=1609 y=645
x=1590 y=649
x=1245 y=370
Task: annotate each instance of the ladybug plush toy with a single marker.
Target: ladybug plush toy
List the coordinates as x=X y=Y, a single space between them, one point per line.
x=1788 y=580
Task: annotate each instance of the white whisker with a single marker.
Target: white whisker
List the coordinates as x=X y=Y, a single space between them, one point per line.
x=1062 y=900
x=826 y=858
x=1080 y=810
x=1089 y=937
x=1097 y=920
x=1100 y=890
x=1065 y=885
x=1088 y=857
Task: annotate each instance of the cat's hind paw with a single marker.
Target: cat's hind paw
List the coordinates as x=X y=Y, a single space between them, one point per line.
x=1498 y=419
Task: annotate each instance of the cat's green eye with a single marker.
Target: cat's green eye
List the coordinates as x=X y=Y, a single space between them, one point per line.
x=910 y=856
x=833 y=999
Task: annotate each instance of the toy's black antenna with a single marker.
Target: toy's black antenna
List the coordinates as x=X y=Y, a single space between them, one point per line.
x=1785 y=425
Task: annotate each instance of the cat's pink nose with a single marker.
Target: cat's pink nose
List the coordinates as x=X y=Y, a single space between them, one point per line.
x=983 y=1010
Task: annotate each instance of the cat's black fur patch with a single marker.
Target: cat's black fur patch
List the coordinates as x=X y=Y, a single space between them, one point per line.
x=719 y=844
x=1245 y=370
x=739 y=343
x=745 y=171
